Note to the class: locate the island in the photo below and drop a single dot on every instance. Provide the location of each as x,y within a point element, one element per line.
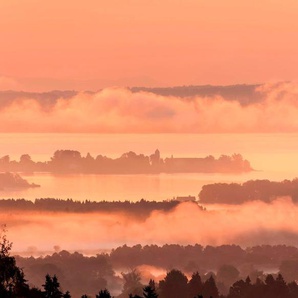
<point>15,181</point>
<point>71,161</point>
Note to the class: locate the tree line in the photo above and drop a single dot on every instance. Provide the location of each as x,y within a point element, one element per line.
<point>236,193</point>
<point>71,161</point>
<point>227,264</point>
<point>177,285</point>
<point>138,208</point>
<point>174,285</point>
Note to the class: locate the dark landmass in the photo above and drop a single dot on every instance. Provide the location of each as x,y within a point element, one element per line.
<point>226,264</point>
<point>14,181</point>
<point>71,161</point>
<point>234,193</point>
<point>140,208</point>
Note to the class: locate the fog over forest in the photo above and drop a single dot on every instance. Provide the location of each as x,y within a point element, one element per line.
<point>227,263</point>
<point>112,224</point>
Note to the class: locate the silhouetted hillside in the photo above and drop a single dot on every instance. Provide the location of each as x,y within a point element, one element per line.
<point>234,193</point>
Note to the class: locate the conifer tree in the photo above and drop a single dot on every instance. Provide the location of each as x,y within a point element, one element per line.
<point>104,294</point>
<point>149,291</point>
<point>52,287</point>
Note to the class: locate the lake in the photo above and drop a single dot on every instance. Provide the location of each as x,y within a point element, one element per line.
<point>274,156</point>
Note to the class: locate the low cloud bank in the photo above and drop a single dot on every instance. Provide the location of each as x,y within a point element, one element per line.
<point>118,110</point>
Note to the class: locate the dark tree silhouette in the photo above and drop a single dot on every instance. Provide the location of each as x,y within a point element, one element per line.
<point>67,295</point>
<point>150,291</point>
<point>12,281</point>
<point>210,288</point>
<point>272,288</point>
<point>104,294</point>
<point>240,289</point>
<point>293,289</point>
<point>195,285</point>
<point>174,285</point>
<point>281,289</point>
<point>52,287</point>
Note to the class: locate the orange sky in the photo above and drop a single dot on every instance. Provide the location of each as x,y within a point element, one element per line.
<point>95,43</point>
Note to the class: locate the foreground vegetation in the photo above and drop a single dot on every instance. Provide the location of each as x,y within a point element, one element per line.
<point>175,284</point>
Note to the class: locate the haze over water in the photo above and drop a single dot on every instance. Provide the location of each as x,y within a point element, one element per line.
<point>273,156</point>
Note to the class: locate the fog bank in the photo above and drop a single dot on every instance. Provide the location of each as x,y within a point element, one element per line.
<point>117,110</point>
<point>250,224</point>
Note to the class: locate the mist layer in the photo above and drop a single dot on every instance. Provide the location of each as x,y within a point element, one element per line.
<point>251,224</point>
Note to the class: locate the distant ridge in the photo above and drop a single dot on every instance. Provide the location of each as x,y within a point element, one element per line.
<point>244,94</point>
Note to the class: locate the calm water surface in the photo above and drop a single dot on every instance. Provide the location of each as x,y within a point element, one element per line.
<point>275,156</point>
